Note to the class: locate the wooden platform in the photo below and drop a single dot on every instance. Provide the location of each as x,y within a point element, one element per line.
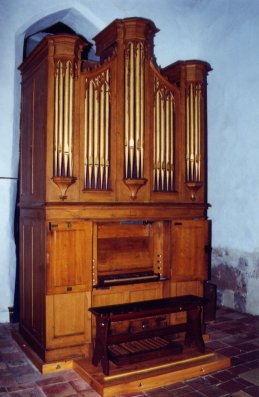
<point>150,374</point>
<point>135,377</point>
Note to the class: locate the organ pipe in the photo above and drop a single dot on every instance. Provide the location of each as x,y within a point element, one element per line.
<point>63,119</point>
<point>164,109</point>
<point>134,111</point>
<point>96,131</point>
<point>193,132</point>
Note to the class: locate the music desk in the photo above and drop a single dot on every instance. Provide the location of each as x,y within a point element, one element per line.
<point>152,339</point>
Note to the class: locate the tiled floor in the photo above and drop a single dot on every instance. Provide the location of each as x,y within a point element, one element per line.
<point>234,334</point>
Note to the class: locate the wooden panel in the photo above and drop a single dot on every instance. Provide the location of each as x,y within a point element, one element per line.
<point>124,248</point>
<point>33,134</point>
<point>110,297</point>
<point>128,293</point>
<point>69,257</point>
<point>71,326</point>
<point>25,269</point>
<point>26,140</point>
<point>32,276</point>
<point>190,249</point>
<point>151,291</point>
<point>161,248</point>
<point>181,288</point>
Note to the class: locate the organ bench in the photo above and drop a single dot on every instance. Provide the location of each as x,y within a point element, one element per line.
<point>127,347</point>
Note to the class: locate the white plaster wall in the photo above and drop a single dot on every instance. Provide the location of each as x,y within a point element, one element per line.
<point>230,45</point>
<point>224,33</point>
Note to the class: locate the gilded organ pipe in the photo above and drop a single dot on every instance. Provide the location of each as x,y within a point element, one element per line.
<point>107,128</point>
<point>66,115</point>
<point>102,141</point>
<point>187,138</point>
<point>56,118</point>
<point>134,111</point>
<point>162,153</point>
<point>157,140</point>
<point>63,119</point>
<point>96,134</point>
<point>171,144</point>
<point>164,110</point>
<point>96,137</point>
<point>142,110</point>
<point>90,136</point>
<point>70,130</point>
<point>167,148</point>
<point>60,110</point>
<point>193,132</point>
<point>137,103</point>
<point>126,153</point>
<point>132,142</point>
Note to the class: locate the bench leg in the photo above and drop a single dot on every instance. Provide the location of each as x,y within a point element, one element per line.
<point>101,348</point>
<point>194,333</point>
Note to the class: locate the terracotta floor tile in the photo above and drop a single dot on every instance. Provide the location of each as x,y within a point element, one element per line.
<point>130,395</point>
<point>216,344</point>
<point>229,351</point>
<point>59,390</point>
<point>251,376</point>
<point>247,346</point>
<point>238,369</point>
<point>253,364</point>
<point>250,356</point>
<point>240,393</point>
<point>50,380</point>
<point>233,340</point>
<point>175,386</point>
<point>224,376</point>
<point>231,386</point>
<point>89,393</point>
<point>21,387</point>
<point>213,391</point>
<point>161,392</point>
<point>33,392</point>
<point>80,385</point>
<point>197,383</point>
<point>252,391</point>
<point>211,380</point>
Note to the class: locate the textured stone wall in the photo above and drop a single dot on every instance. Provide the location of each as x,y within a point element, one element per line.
<point>236,275</point>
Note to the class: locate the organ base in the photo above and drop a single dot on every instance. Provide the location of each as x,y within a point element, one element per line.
<point>162,371</point>
<point>135,377</point>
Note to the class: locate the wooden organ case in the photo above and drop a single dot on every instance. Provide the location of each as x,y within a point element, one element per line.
<point>113,202</point>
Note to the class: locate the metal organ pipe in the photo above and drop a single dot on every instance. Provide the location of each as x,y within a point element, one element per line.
<point>164,109</point>
<point>96,134</point>
<point>63,119</point>
<point>193,132</point>
<point>134,111</point>
<point>70,124</point>
<point>60,109</point>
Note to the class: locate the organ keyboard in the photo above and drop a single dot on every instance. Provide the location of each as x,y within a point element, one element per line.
<point>127,278</point>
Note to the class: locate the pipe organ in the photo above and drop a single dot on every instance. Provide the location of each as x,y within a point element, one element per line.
<point>113,183</point>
